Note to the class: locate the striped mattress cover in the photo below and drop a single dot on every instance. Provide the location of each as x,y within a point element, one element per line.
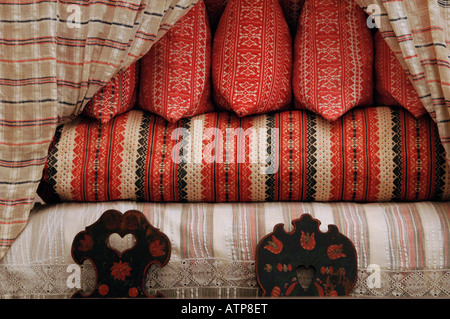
<point>403,248</point>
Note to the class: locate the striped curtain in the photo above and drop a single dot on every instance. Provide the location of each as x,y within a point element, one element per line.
<point>54,56</point>
<point>419,33</point>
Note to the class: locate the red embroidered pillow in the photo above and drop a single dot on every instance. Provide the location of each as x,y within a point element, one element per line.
<point>393,86</point>
<point>252,58</point>
<point>176,72</point>
<point>116,97</point>
<point>333,58</point>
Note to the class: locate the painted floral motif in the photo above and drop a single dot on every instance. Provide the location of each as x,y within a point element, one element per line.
<point>133,292</point>
<point>280,267</point>
<point>335,252</point>
<point>120,270</point>
<point>332,280</point>
<point>307,241</point>
<point>284,267</point>
<point>326,270</point>
<point>276,291</point>
<point>156,248</point>
<point>103,290</point>
<point>274,246</point>
<point>291,287</point>
<point>323,265</point>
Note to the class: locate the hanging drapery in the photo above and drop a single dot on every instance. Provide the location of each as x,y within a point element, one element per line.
<point>54,56</point>
<point>418,32</point>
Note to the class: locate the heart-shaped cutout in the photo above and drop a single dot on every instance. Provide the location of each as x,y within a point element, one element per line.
<point>305,276</point>
<point>121,244</point>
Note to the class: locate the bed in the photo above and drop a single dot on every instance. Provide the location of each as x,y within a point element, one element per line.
<point>402,248</point>
<point>219,173</point>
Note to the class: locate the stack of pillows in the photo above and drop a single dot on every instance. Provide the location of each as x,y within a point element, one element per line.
<point>259,56</point>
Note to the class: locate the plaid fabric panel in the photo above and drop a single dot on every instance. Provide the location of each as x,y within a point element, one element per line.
<point>392,84</point>
<point>371,154</point>
<point>54,57</point>
<point>418,32</point>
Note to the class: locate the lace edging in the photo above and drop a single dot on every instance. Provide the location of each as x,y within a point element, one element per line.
<point>214,277</point>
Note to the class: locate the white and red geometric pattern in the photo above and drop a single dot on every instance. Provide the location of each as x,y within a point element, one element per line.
<point>333,58</point>
<point>291,10</point>
<point>116,97</point>
<point>175,77</point>
<point>252,58</point>
<point>393,87</point>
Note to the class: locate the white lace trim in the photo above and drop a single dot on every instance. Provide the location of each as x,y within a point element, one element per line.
<point>205,278</point>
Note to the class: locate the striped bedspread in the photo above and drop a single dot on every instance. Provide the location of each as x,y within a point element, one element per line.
<point>402,248</point>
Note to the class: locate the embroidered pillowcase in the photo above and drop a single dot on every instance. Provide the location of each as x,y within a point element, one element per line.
<point>393,86</point>
<point>116,97</point>
<point>333,58</point>
<point>291,10</point>
<point>252,58</point>
<point>176,72</point>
